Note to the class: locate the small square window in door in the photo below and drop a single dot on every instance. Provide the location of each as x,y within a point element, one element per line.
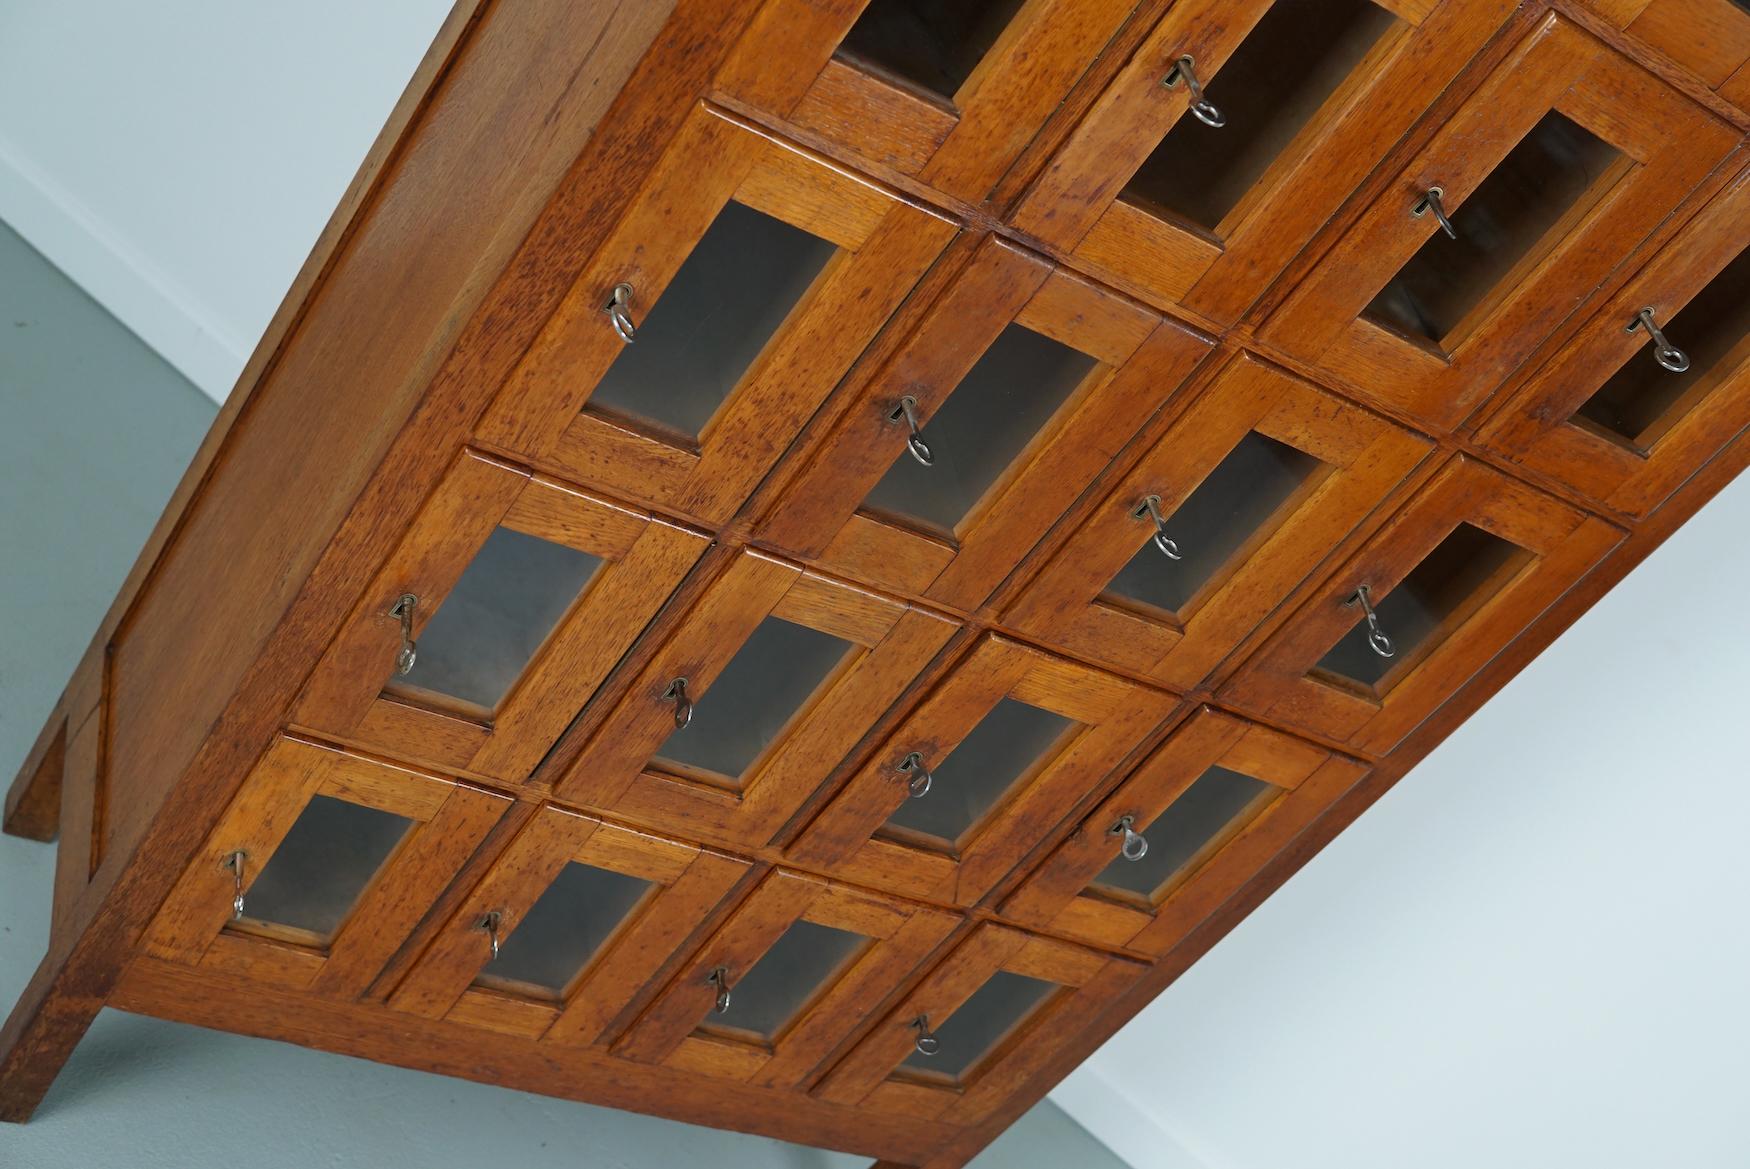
<point>559,935</point>
<point>322,867</point>
<point>931,43</point>
<point>995,1011</point>
<point>782,982</point>
<point>1216,805</point>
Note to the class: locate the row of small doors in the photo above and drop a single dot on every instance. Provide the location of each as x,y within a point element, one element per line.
<point>323,877</point>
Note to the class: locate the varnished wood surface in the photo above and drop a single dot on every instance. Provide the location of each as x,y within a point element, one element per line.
<point>359,463</point>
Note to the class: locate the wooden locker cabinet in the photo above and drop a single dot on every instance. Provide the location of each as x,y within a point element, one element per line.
<point>949,93</point>
<point>1479,555</point>
<point>353,894</point>
<point>1045,990</point>
<point>614,909</point>
<point>592,571</point>
<point>730,518</point>
<point>1571,155</point>
<point>1604,416</point>
<point>1024,380</point>
<point>799,259</point>
<point>808,664</point>
<point>1205,832</point>
<point>1163,203</point>
<point>1255,483</point>
<point>1035,734</point>
<point>796,969</point>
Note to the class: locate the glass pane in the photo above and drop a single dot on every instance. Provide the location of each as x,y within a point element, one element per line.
<point>980,771</point>
<point>1455,576</point>
<point>764,685</point>
<point>1235,501</point>
<point>933,43</point>
<point>324,863</point>
<point>1277,79</point>
<point>731,294</point>
<point>565,927</point>
<point>508,600</point>
<point>1503,223</point>
<point>993,413</point>
<point>1638,396</point>
<point>1218,802</point>
<point>782,982</point>
<point>982,1022</point>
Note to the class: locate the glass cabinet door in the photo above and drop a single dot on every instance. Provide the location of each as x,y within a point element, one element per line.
<point>1471,560</point>
<point>321,868</point>
<point>1201,816</point>
<point>1525,200</point>
<point>1625,416</point>
<point>1201,197</point>
<point>1234,505</point>
<point>992,760</point>
<point>1010,396</point>
<point>948,92</point>
<point>715,319</point>
<point>503,608</point>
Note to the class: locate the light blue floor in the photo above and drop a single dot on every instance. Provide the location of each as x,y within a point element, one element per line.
<point>94,431</point>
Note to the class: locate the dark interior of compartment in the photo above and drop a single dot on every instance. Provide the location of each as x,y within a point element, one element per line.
<point>1455,575</point>
<point>1507,220</point>
<point>1277,79</point>
<point>798,966</point>
<point>770,678</point>
<point>1237,499</point>
<point>994,412</point>
<point>1638,396</point>
<point>324,863</point>
<point>982,1022</point>
<point>565,927</point>
<point>935,44</point>
<point>1218,802</point>
<point>729,297</point>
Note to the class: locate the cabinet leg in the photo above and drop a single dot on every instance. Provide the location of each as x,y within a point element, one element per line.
<point>33,803</point>
<point>44,1027</point>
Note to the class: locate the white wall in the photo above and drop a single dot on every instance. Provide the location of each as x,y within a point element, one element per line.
<point>179,158</point>
<point>1531,952</point>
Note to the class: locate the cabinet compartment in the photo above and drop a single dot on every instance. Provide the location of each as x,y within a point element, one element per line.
<point>1605,415</point>
<point>713,321</point>
<point>1540,185</point>
<point>1309,96</point>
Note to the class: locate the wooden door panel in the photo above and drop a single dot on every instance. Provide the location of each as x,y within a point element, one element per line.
<point>950,93</point>
<point>1567,157</point>
<point>1034,735</point>
<point>1480,556</point>
<point>1182,212</point>
<point>1024,380</point>
<point>1019,998</point>
<point>605,912</point>
<point>340,857</point>
<point>1255,483</point>
<point>807,666</point>
<point>1604,416</point>
<point>1211,806</point>
<point>779,269</point>
<point>796,969</point>
<point>548,587</point>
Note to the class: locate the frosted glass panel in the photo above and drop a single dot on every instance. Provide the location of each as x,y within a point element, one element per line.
<point>726,301</point>
<point>978,773</point>
<point>935,44</point>
<point>1505,220</point>
<point>1277,79</point>
<point>505,605</point>
<point>993,413</point>
<point>770,678</point>
<point>1639,396</point>
<point>1456,574</point>
<point>982,1022</point>
<point>564,928</point>
<point>782,982</point>
<point>324,863</point>
<point>1219,800</point>
<point>1237,498</point>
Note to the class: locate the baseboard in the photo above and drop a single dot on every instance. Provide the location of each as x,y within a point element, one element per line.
<point>151,305</point>
<point>1112,1117</point>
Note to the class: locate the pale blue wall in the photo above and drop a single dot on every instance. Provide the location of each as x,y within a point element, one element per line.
<point>94,430</point>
